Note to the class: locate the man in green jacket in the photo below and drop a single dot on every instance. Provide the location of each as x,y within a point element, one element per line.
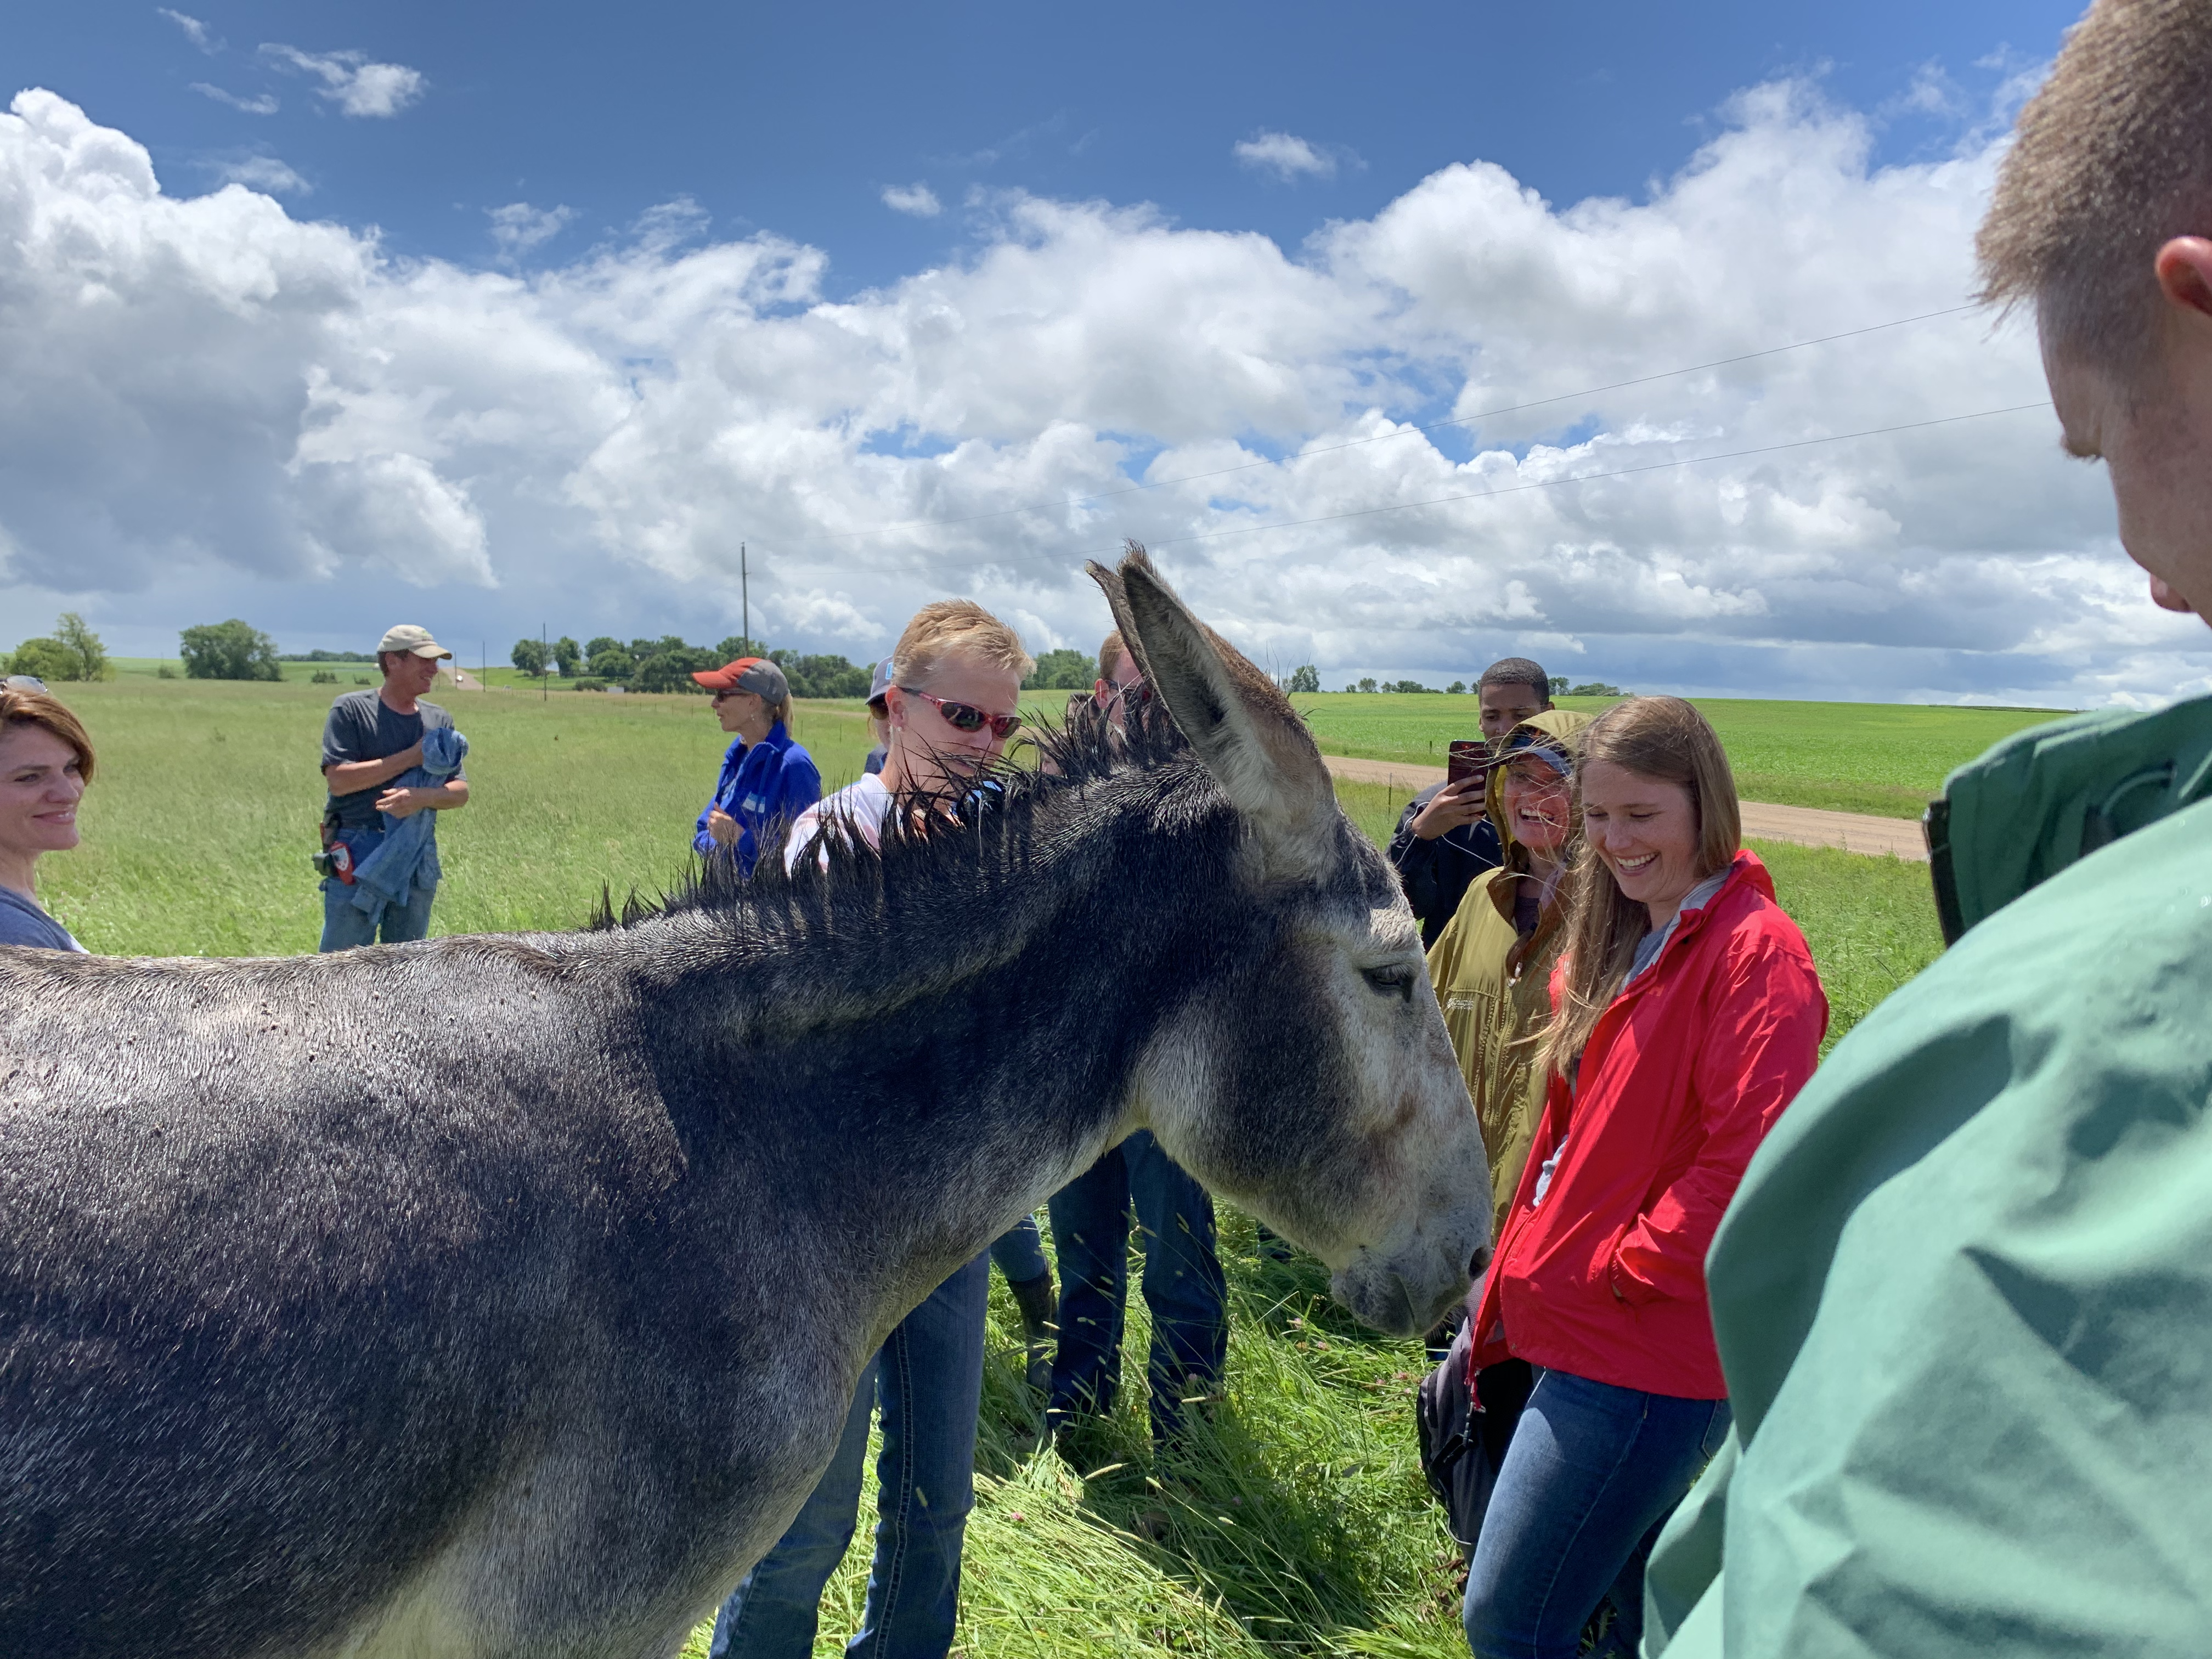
<point>1964,1296</point>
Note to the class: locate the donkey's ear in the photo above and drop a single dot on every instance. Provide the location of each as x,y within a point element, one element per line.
<point>1242,725</point>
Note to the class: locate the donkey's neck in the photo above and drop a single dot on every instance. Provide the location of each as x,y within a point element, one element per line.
<point>912,1071</point>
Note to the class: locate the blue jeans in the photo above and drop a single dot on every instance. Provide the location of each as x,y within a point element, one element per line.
<point>1019,1252</point>
<point>1183,1285</point>
<point>1591,1475</point>
<point>929,1377</point>
<point>344,926</point>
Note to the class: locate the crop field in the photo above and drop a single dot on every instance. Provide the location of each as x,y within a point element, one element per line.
<point>1883,758</point>
<point>1305,1528</point>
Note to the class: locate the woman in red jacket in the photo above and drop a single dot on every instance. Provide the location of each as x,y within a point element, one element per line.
<point>1686,1013</point>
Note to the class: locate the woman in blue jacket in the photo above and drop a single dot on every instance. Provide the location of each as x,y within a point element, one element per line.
<point>767,779</point>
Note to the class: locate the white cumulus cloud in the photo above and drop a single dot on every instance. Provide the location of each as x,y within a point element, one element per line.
<point>1285,156</point>
<point>215,409</point>
<point>918,200</point>
<point>352,82</point>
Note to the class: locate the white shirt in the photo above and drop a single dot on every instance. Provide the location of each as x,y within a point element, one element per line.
<point>860,809</point>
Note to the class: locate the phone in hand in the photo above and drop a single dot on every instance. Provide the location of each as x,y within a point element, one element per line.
<point>1467,758</point>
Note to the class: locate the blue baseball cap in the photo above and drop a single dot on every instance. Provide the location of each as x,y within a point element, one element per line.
<point>882,681</point>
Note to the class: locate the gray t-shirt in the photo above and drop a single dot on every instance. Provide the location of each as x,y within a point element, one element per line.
<point>363,726</point>
<point>23,923</point>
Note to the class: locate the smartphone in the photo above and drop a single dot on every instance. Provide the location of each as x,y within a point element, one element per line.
<point>1467,758</point>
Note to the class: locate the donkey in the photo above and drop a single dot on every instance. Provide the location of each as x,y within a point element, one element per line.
<point>501,1296</point>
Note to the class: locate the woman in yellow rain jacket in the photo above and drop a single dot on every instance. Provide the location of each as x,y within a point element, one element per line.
<point>1492,966</point>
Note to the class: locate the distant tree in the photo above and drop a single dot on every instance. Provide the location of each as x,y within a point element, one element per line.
<point>736,647</point>
<point>529,656</point>
<point>43,658</point>
<point>1594,689</point>
<point>1305,678</point>
<point>1063,670</point>
<point>1409,685</point>
<point>823,675</point>
<point>1367,685</point>
<point>327,656</point>
<point>229,650</point>
<point>1562,686</point>
<point>663,670</point>
<point>322,677</point>
<point>567,657</point>
<point>608,658</point>
<point>91,656</point>
<point>1457,688</point>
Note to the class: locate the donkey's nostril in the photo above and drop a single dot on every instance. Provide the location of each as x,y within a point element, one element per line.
<point>1478,1261</point>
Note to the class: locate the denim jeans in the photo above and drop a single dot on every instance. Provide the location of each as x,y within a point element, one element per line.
<point>928,1378</point>
<point>1019,1252</point>
<point>1592,1474</point>
<point>1183,1285</point>
<point>344,926</point>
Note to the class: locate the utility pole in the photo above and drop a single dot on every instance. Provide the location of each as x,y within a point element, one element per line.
<point>544,686</point>
<point>745,595</point>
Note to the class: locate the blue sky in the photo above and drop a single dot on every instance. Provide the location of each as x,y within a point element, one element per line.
<point>486,317</point>
<point>795,119</point>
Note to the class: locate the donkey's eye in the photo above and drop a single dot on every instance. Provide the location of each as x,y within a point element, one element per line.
<point>1394,979</point>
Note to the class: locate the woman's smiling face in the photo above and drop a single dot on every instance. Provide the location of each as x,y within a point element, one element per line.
<point>1539,804</point>
<point>41,781</point>
<point>1646,830</point>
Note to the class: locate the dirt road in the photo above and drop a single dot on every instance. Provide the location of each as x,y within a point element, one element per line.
<point>1855,832</point>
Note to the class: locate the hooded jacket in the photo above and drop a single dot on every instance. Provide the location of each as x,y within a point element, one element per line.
<point>1603,1276</point>
<point>1494,986</point>
<point>1964,1296</point>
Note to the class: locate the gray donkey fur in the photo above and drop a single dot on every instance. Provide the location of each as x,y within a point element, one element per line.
<point>503,1296</point>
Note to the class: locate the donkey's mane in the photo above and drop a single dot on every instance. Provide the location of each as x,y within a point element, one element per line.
<point>931,837</point>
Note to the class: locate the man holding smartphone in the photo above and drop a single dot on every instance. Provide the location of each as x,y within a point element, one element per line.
<point>1444,838</point>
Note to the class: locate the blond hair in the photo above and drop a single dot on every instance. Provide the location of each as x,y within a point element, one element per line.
<point>2113,158</point>
<point>23,707</point>
<point>1111,651</point>
<point>955,628</point>
<point>1662,738</point>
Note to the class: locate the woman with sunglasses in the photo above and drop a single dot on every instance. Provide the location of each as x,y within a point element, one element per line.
<point>955,675</point>
<point>767,778</point>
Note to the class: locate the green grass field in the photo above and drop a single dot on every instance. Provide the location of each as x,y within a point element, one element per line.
<point>1884,759</point>
<point>1304,1529</point>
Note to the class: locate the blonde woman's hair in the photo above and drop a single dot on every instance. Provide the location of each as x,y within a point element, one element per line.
<point>955,628</point>
<point>1662,738</point>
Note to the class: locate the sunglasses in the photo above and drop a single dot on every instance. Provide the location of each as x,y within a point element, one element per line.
<point>965,717</point>
<point>1135,693</point>
<point>24,683</point>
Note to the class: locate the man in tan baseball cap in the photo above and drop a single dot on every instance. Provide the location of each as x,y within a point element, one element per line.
<point>415,641</point>
<point>379,774</point>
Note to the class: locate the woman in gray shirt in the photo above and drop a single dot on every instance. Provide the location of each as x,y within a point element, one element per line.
<point>45,761</point>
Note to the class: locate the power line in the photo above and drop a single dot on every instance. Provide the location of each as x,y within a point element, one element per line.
<point>1592,478</point>
<point>1066,501</point>
<point>1507,490</point>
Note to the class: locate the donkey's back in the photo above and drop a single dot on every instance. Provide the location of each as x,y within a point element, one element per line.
<point>323,1283</point>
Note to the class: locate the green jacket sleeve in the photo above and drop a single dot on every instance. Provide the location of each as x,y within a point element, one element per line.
<point>1963,1299</point>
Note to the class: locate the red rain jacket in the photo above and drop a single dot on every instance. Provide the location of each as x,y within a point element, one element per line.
<point>1681,1080</point>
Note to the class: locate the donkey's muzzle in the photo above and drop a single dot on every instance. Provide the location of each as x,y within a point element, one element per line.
<point>1478,1261</point>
